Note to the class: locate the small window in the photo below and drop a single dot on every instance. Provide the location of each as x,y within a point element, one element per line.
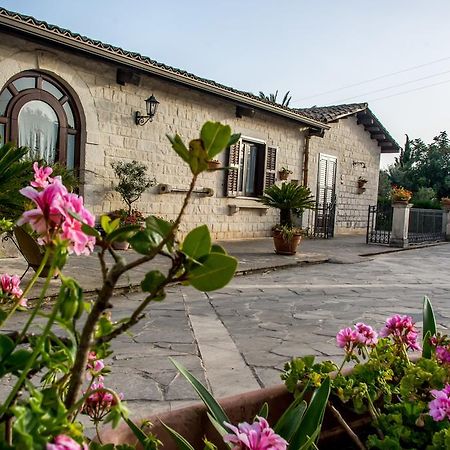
<point>52,89</point>
<point>25,83</point>
<point>251,169</point>
<point>5,97</point>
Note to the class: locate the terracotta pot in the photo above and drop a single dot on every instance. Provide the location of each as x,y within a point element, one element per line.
<point>284,246</point>
<point>214,165</point>
<point>120,245</point>
<point>283,175</point>
<point>193,424</point>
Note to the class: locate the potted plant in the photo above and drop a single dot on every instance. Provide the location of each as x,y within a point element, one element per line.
<point>400,195</point>
<point>445,202</point>
<point>283,173</point>
<point>133,182</point>
<point>290,199</point>
<point>361,182</point>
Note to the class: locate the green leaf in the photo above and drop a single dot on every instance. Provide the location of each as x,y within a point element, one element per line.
<point>90,231</point>
<point>214,408</point>
<point>291,419</point>
<point>179,147</point>
<point>216,248</point>
<point>123,233</point>
<point>181,442</point>
<point>215,272</point>
<point>197,243</point>
<point>140,435</point>
<point>429,327</point>
<point>152,281</point>
<point>215,137</point>
<point>264,411</point>
<point>6,346</point>
<point>312,420</point>
<point>198,158</point>
<point>18,360</point>
<point>219,428</point>
<point>145,241</point>
<point>233,139</point>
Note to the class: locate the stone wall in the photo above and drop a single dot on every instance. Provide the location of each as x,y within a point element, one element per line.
<point>349,143</point>
<point>112,135</point>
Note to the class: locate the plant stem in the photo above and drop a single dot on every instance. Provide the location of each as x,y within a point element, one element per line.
<point>346,426</point>
<point>39,344</point>
<point>30,284</point>
<point>102,303</point>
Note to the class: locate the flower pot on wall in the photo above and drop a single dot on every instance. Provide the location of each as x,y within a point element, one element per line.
<point>283,175</point>
<point>214,164</point>
<point>284,245</point>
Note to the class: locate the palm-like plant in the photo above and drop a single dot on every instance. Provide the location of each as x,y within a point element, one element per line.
<point>290,199</point>
<point>15,173</point>
<point>273,98</point>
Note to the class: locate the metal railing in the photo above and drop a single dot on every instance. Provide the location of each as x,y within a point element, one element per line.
<point>320,221</point>
<point>425,225</point>
<point>379,224</point>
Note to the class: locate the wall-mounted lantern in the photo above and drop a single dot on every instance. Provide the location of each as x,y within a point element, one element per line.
<point>151,105</point>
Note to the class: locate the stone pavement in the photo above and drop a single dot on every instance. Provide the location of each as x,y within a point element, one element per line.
<point>239,337</point>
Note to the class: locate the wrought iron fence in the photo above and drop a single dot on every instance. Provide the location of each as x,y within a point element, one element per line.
<point>379,224</point>
<point>320,221</point>
<point>425,225</point>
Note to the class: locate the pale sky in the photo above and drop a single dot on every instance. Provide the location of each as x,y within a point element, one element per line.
<point>312,48</point>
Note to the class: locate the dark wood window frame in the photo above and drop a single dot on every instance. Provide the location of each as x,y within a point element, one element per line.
<point>20,98</point>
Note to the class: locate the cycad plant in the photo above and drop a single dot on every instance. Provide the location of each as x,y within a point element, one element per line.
<point>15,173</point>
<point>289,198</point>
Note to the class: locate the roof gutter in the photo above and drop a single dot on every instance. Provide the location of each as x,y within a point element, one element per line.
<point>95,50</point>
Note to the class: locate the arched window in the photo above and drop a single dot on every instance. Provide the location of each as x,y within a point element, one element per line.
<point>37,111</point>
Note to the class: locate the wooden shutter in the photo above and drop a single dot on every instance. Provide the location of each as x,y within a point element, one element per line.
<point>232,183</point>
<point>326,179</point>
<point>270,166</point>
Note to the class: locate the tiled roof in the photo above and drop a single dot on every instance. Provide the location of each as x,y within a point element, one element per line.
<point>365,116</point>
<point>331,113</point>
<point>38,28</point>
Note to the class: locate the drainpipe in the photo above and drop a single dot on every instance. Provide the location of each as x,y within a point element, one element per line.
<point>306,158</point>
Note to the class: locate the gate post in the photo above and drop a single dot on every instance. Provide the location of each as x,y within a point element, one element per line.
<point>446,221</point>
<point>400,224</point>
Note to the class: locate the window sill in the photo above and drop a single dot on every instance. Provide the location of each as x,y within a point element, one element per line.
<point>247,204</point>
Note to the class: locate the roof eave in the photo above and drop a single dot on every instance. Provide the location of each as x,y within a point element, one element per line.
<point>42,33</point>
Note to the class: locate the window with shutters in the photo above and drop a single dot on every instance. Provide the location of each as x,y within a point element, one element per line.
<point>326,179</point>
<point>252,168</point>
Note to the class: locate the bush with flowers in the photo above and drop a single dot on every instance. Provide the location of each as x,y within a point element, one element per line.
<point>58,373</point>
<point>407,398</point>
<point>399,193</point>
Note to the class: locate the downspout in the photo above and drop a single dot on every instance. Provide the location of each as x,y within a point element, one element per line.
<point>306,158</point>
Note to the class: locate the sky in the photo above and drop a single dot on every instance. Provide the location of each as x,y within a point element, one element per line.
<point>393,54</point>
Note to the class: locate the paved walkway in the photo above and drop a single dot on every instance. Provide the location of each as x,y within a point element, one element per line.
<point>239,338</point>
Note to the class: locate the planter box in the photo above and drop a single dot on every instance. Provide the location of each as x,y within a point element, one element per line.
<point>193,424</point>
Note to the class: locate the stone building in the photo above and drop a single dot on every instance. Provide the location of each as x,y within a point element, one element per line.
<point>74,100</point>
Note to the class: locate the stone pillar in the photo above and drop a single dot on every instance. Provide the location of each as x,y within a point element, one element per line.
<point>446,221</point>
<point>400,223</point>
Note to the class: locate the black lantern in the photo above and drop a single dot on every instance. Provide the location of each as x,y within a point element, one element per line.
<point>151,105</point>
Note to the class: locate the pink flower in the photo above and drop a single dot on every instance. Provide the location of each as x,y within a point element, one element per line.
<point>347,337</point>
<point>98,404</point>
<point>440,406</point>
<point>10,287</point>
<point>94,366</point>
<point>442,354</point>
<point>366,334</point>
<point>63,442</point>
<point>402,330</point>
<point>52,217</point>
<point>257,436</point>
<point>41,176</point>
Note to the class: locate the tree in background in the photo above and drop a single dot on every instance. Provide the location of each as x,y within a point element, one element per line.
<point>273,98</point>
<point>421,165</point>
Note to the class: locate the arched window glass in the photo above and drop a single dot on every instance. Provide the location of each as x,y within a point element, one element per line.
<point>39,112</point>
<point>38,130</point>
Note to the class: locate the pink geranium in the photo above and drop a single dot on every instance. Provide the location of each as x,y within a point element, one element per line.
<point>347,337</point>
<point>366,334</point>
<point>10,288</point>
<point>443,354</point>
<point>53,216</point>
<point>402,330</point>
<point>440,406</point>
<point>41,176</point>
<point>63,442</point>
<point>255,436</point>
<point>361,335</point>
<point>98,404</point>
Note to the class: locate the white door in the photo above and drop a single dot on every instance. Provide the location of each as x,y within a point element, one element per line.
<point>326,179</point>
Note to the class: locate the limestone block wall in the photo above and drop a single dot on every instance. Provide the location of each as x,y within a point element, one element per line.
<point>357,156</point>
<point>112,135</point>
